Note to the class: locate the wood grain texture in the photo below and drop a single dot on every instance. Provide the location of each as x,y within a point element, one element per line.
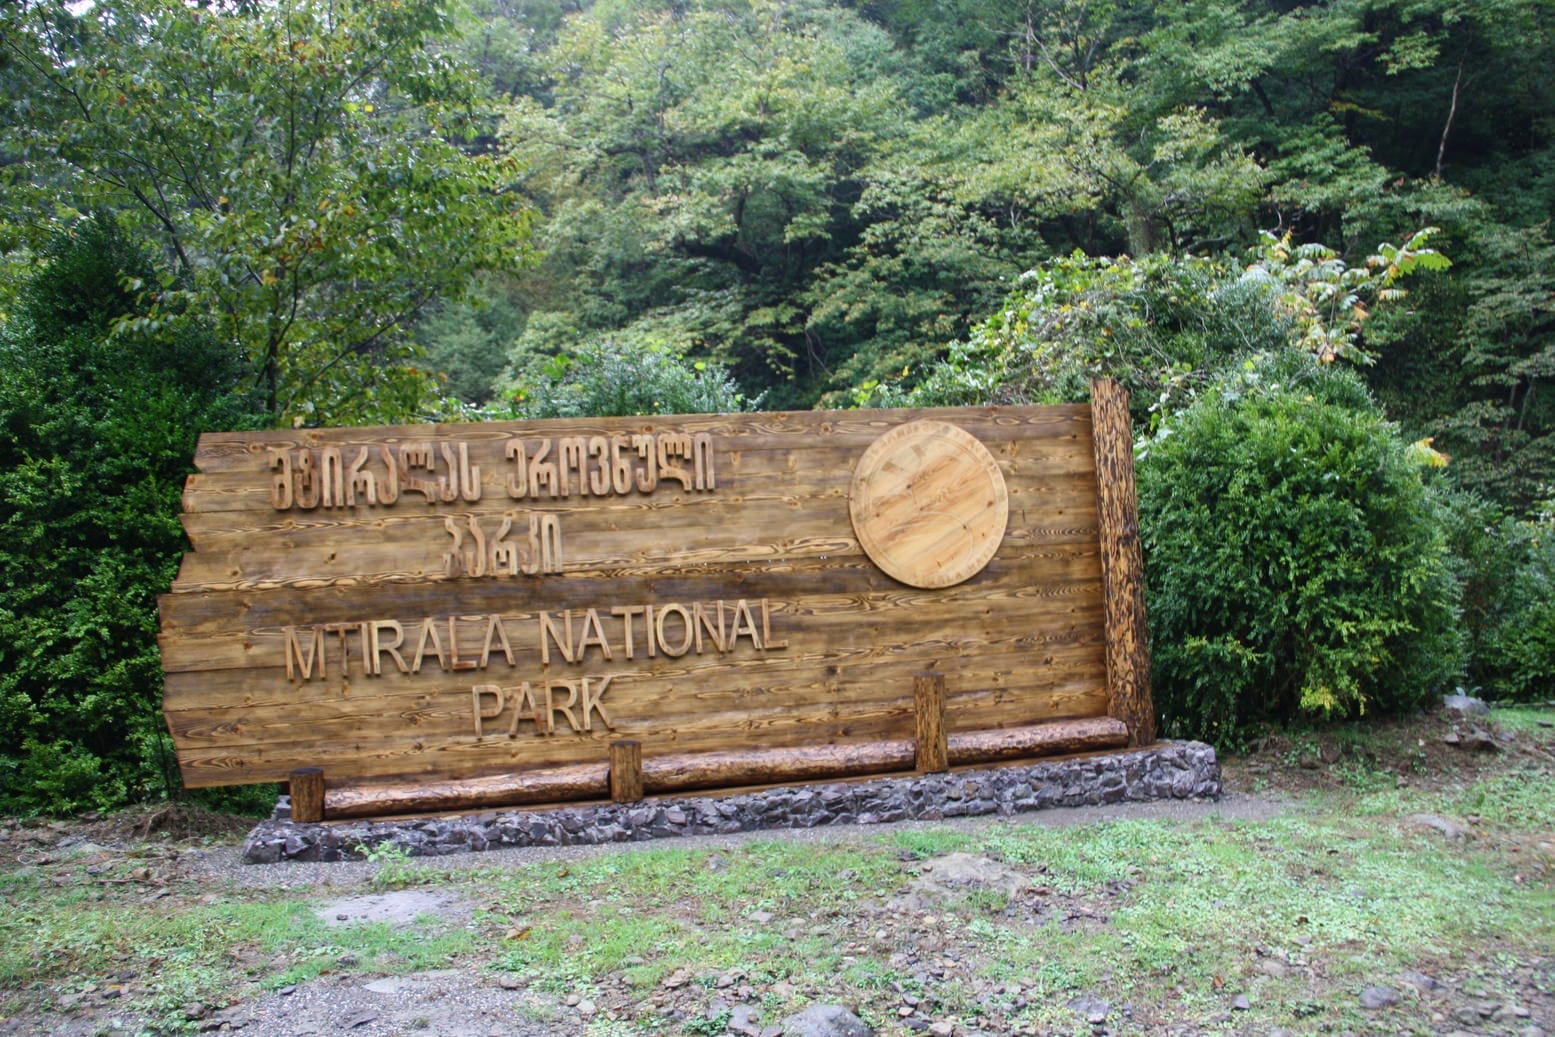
<point>1087,734</point>
<point>928,694</point>
<point>1123,567</point>
<point>626,770</point>
<point>409,647</point>
<point>928,504</point>
<point>305,787</point>
<point>384,799</point>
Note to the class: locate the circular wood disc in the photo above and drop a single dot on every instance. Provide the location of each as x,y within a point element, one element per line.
<point>929,504</point>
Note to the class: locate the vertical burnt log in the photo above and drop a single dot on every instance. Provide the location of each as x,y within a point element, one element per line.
<point>928,694</point>
<point>307,785</point>
<point>1122,564</point>
<point>626,771</point>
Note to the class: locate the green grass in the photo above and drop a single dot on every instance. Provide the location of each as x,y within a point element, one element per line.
<point>1174,919</point>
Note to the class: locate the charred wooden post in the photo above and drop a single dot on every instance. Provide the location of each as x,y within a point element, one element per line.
<point>1122,564</point>
<point>307,789</point>
<point>928,695</point>
<point>626,770</point>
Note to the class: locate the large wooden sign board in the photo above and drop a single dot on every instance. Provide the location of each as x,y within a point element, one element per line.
<point>466,615</point>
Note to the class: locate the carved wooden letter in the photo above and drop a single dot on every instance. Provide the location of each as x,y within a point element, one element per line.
<point>281,485</point>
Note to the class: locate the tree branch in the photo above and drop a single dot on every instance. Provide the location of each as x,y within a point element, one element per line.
<point>1441,148</point>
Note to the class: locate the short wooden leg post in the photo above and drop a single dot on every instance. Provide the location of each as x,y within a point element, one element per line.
<point>626,771</point>
<point>928,693</point>
<point>307,794</point>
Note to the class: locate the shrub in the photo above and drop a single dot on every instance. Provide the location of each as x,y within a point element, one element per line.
<point>1295,559</point>
<point>1158,324</point>
<point>614,379</point>
<point>96,436</point>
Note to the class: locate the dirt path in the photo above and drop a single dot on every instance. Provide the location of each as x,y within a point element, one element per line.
<point>904,933</point>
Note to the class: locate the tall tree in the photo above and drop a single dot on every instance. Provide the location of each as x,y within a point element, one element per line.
<point>695,165</point>
<point>299,163</point>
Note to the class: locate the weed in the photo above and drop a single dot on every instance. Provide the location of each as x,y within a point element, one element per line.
<point>1362,776</point>
<point>711,1025</point>
<point>391,864</point>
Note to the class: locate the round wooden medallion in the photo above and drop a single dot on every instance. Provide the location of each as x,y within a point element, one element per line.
<point>929,504</point>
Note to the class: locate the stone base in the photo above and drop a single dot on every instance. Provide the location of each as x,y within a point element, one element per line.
<point>1166,770</point>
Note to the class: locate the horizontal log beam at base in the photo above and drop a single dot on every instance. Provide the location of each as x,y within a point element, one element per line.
<point>775,766</point>
<point>1059,738</point>
<point>556,785</point>
<point>686,772</point>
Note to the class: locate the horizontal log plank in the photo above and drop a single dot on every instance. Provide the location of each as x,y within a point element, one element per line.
<point>802,586</point>
<point>1084,734</point>
<point>586,781</point>
<point>1041,510</point>
<point>988,681</point>
<point>1072,587</point>
<point>222,451</point>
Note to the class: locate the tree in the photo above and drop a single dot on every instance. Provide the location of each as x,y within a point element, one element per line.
<point>695,165</point>
<point>298,163</point>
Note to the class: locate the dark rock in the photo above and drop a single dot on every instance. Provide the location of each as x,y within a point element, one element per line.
<point>1465,705</point>
<point>1094,1009</point>
<point>1451,829</point>
<point>744,1020</point>
<point>1420,981</point>
<point>825,1021</point>
<point>1480,740</point>
<point>1376,998</point>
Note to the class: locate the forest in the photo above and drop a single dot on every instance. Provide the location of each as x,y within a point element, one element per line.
<point>1312,237</point>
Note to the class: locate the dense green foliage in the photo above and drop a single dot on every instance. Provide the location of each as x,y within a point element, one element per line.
<point>1295,559</point>
<point>1161,326</point>
<point>96,433</point>
<point>1508,571</point>
<point>298,163</point>
<point>612,380</point>
<point>824,195</point>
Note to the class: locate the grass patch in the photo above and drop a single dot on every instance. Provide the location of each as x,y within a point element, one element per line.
<point>1298,914</point>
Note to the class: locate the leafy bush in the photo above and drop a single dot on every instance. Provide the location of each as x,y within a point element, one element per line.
<point>612,379</point>
<point>1160,325</point>
<point>1295,558</point>
<point>96,436</point>
<point>1508,575</point>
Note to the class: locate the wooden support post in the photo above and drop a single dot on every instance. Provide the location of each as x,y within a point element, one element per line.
<point>928,696</point>
<point>1122,564</point>
<point>626,771</point>
<point>307,785</point>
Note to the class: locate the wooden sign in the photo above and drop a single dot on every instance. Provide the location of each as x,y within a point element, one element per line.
<point>432,617</point>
